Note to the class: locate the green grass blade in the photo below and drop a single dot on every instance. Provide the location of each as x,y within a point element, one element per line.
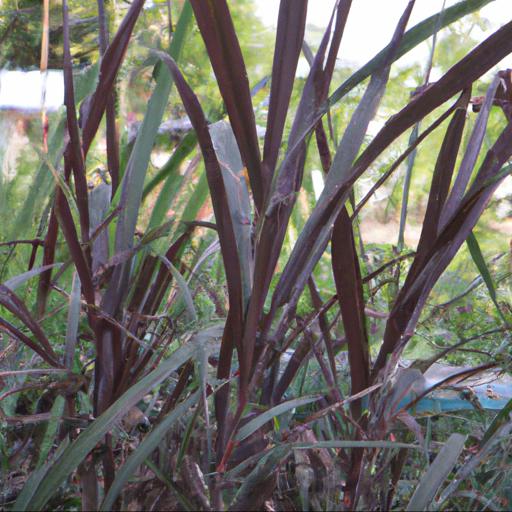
<point>469,466</point>
<point>17,281</point>
<point>135,173</point>
<point>51,429</point>
<point>267,416</point>
<point>87,440</point>
<point>185,290</point>
<point>185,502</point>
<point>479,260</point>
<point>41,186</point>
<point>436,474</point>
<point>172,193</point>
<point>60,182</point>
<point>35,478</point>
<point>170,168</point>
<point>499,420</point>
<point>197,199</point>
<point>187,437</point>
<point>145,449</point>
<point>354,444</point>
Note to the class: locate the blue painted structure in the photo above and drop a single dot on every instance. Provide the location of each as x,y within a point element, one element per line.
<point>492,390</point>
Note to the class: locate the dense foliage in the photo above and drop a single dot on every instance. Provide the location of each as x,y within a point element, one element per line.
<point>226,286</point>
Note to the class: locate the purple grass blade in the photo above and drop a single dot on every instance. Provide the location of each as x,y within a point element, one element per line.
<point>289,37</point>
<point>288,181</point>
<point>110,109</point>
<point>442,178</point>
<point>349,287</point>
<point>110,64</point>
<point>216,27</point>
<point>11,302</point>
<point>73,154</point>
<point>470,156</point>
<point>233,329</point>
<point>413,295</point>
<point>313,239</point>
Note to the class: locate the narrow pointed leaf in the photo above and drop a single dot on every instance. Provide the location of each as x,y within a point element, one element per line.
<point>72,323</point>
<point>414,293</point>
<point>470,156</point>
<point>436,474</point>
<point>260,420</point>
<point>11,301</point>
<point>349,286</point>
<point>340,172</point>
<point>250,495</point>
<point>87,440</point>
<point>216,27</point>
<point>73,155</point>
<point>144,450</point>
<point>109,67</point>
<point>187,296</point>
<point>16,281</point>
<point>130,192</point>
<point>99,205</point>
<point>354,444</point>
<point>47,356</point>
<point>133,180</point>
<point>171,167</point>
<point>273,225</point>
<point>233,328</point>
<point>289,37</point>
<point>32,482</point>
<point>442,177</point>
<point>479,260</point>
<point>233,173</point>
<point>217,189</point>
<point>51,429</point>
<point>499,420</point>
